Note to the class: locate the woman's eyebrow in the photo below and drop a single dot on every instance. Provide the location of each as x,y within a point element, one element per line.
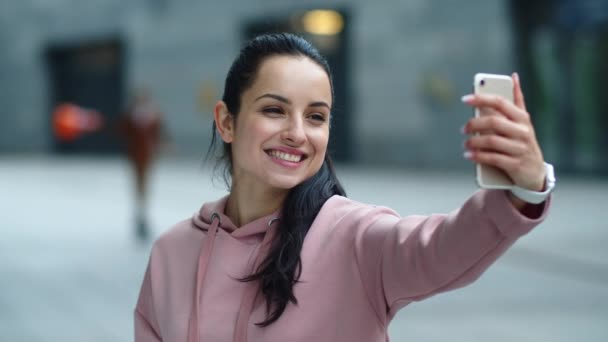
<point>287,101</point>
<point>319,104</point>
<point>274,96</point>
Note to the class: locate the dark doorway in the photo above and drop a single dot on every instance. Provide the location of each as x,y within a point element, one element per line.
<point>89,74</point>
<point>335,48</point>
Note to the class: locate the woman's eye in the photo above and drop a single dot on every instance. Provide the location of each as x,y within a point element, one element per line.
<point>273,110</point>
<point>318,117</point>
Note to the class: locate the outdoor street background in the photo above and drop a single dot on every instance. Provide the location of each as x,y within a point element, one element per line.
<point>70,268</point>
<point>72,71</point>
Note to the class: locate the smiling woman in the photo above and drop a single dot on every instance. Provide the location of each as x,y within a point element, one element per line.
<point>285,256</point>
<point>284,124</point>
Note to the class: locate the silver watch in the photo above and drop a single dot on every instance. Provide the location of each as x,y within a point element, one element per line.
<point>536,197</point>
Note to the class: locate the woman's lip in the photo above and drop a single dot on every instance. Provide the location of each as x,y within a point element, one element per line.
<point>288,150</point>
<point>285,163</point>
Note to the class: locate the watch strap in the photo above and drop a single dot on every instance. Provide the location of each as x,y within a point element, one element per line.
<point>536,197</point>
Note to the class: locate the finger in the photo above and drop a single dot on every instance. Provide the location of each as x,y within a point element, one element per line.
<point>496,143</point>
<point>502,161</point>
<point>499,125</point>
<point>518,95</point>
<point>498,103</point>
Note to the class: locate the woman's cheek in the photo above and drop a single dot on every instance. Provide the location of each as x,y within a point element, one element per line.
<point>321,139</point>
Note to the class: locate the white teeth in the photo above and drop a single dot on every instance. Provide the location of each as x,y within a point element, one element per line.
<point>285,156</point>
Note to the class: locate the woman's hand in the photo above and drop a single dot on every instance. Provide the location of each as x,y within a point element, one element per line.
<point>508,141</point>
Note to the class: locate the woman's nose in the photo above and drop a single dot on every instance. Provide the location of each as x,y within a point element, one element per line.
<point>294,132</point>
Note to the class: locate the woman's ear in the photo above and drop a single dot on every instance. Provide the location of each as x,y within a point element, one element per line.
<point>224,121</point>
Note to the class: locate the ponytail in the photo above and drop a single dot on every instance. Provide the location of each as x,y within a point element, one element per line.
<point>283,266</point>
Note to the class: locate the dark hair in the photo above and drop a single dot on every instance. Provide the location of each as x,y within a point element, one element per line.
<point>282,267</point>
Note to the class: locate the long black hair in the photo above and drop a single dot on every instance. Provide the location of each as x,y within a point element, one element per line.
<point>282,267</point>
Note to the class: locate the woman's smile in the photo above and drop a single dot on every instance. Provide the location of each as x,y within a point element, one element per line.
<point>287,157</point>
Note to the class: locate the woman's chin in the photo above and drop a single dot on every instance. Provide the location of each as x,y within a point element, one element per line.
<point>284,182</point>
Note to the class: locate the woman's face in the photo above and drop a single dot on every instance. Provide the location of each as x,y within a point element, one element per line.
<point>281,132</point>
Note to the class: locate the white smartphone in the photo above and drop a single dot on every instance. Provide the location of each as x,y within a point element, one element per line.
<point>489,177</point>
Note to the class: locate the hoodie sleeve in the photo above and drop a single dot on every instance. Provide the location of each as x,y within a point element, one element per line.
<point>146,325</point>
<point>408,259</point>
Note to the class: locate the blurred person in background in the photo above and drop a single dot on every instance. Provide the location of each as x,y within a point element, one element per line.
<point>141,127</point>
<point>285,256</point>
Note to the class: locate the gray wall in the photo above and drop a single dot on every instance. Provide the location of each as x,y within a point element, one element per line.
<point>411,62</point>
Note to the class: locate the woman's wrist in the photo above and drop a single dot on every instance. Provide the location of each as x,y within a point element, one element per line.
<point>529,210</point>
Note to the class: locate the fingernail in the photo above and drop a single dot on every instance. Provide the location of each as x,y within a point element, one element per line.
<point>463,129</point>
<point>516,76</point>
<point>467,155</point>
<point>467,98</point>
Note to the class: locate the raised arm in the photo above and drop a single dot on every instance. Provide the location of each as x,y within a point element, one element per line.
<point>408,259</point>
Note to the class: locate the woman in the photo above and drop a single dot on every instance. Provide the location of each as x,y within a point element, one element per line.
<point>285,256</point>
<point>142,130</point>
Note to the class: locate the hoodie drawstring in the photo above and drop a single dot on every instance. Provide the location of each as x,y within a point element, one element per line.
<point>203,261</point>
<point>250,295</point>
<point>249,298</point>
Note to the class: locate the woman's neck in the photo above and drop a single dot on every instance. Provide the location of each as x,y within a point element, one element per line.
<point>247,204</point>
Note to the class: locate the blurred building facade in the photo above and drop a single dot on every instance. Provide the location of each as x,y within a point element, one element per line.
<point>406,65</point>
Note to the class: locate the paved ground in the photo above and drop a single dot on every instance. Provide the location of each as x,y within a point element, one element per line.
<point>70,270</point>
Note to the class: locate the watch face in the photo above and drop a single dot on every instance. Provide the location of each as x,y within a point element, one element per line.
<point>550,173</point>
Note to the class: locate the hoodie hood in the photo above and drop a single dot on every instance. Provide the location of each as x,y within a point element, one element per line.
<point>210,219</point>
<point>203,220</point>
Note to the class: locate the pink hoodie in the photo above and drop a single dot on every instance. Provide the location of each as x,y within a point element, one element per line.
<point>360,264</point>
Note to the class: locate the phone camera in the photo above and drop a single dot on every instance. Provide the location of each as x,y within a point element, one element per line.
<point>482,82</point>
